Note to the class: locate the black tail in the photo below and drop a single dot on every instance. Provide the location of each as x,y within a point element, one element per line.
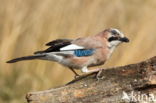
<point>25,58</point>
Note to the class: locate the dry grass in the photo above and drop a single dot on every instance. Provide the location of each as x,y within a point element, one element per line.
<point>26,25</point>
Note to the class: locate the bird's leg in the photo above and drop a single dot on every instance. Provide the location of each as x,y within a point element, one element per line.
<point>76,74</point>
<point>98,76</point>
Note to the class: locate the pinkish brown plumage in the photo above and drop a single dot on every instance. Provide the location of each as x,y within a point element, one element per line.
<point>82,52</point>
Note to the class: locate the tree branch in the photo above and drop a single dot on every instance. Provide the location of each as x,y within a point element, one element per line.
<point>139,78</point>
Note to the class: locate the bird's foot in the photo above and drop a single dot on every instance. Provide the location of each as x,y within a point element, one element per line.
<point>99,76</point>
<point>98,70</point>
<point>76,76</point>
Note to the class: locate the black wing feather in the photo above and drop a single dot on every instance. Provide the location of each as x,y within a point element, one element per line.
<point>55,45</point>
<point>58,42</point>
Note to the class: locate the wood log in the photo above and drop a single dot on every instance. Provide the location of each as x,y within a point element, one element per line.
<point>117,86</point>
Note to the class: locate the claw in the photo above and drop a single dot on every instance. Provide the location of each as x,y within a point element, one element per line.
<point>76,76</point>
<point>99,76</point>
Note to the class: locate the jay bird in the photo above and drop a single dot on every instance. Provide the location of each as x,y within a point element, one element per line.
<point>80,53</point>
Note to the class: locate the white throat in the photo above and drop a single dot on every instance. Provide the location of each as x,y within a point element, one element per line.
<point>112,45</point>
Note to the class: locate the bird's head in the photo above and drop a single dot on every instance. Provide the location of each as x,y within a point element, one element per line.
<point>115,37</point>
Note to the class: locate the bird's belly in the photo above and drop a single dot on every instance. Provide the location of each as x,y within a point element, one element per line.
<point>76,62</point>
<point>70,64</point>
<point>80,62</point>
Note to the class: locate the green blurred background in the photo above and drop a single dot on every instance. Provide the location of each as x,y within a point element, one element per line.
<point>26,25</point>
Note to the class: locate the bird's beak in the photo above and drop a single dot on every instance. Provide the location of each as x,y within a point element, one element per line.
<point>124,39</point>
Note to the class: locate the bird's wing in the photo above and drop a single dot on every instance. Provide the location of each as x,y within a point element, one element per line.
<point>55,45</point>
<point>65,47</point>
<point>76,50</point>
<point>59,42</point>
<point>80,47</point>
<point>71,47</point>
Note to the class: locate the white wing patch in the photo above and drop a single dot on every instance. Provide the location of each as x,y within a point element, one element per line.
<point>71,47</point>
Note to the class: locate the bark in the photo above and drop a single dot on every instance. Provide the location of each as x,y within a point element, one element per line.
<point>130,83</point>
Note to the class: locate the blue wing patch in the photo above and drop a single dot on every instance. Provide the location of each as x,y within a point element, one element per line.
<point>84,52</point>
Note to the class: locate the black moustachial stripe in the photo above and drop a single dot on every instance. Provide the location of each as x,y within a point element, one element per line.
<point>113,38</point>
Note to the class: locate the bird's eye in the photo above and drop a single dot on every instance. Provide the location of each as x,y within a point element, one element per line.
<point>114,32</point>
<point>113,39</point>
